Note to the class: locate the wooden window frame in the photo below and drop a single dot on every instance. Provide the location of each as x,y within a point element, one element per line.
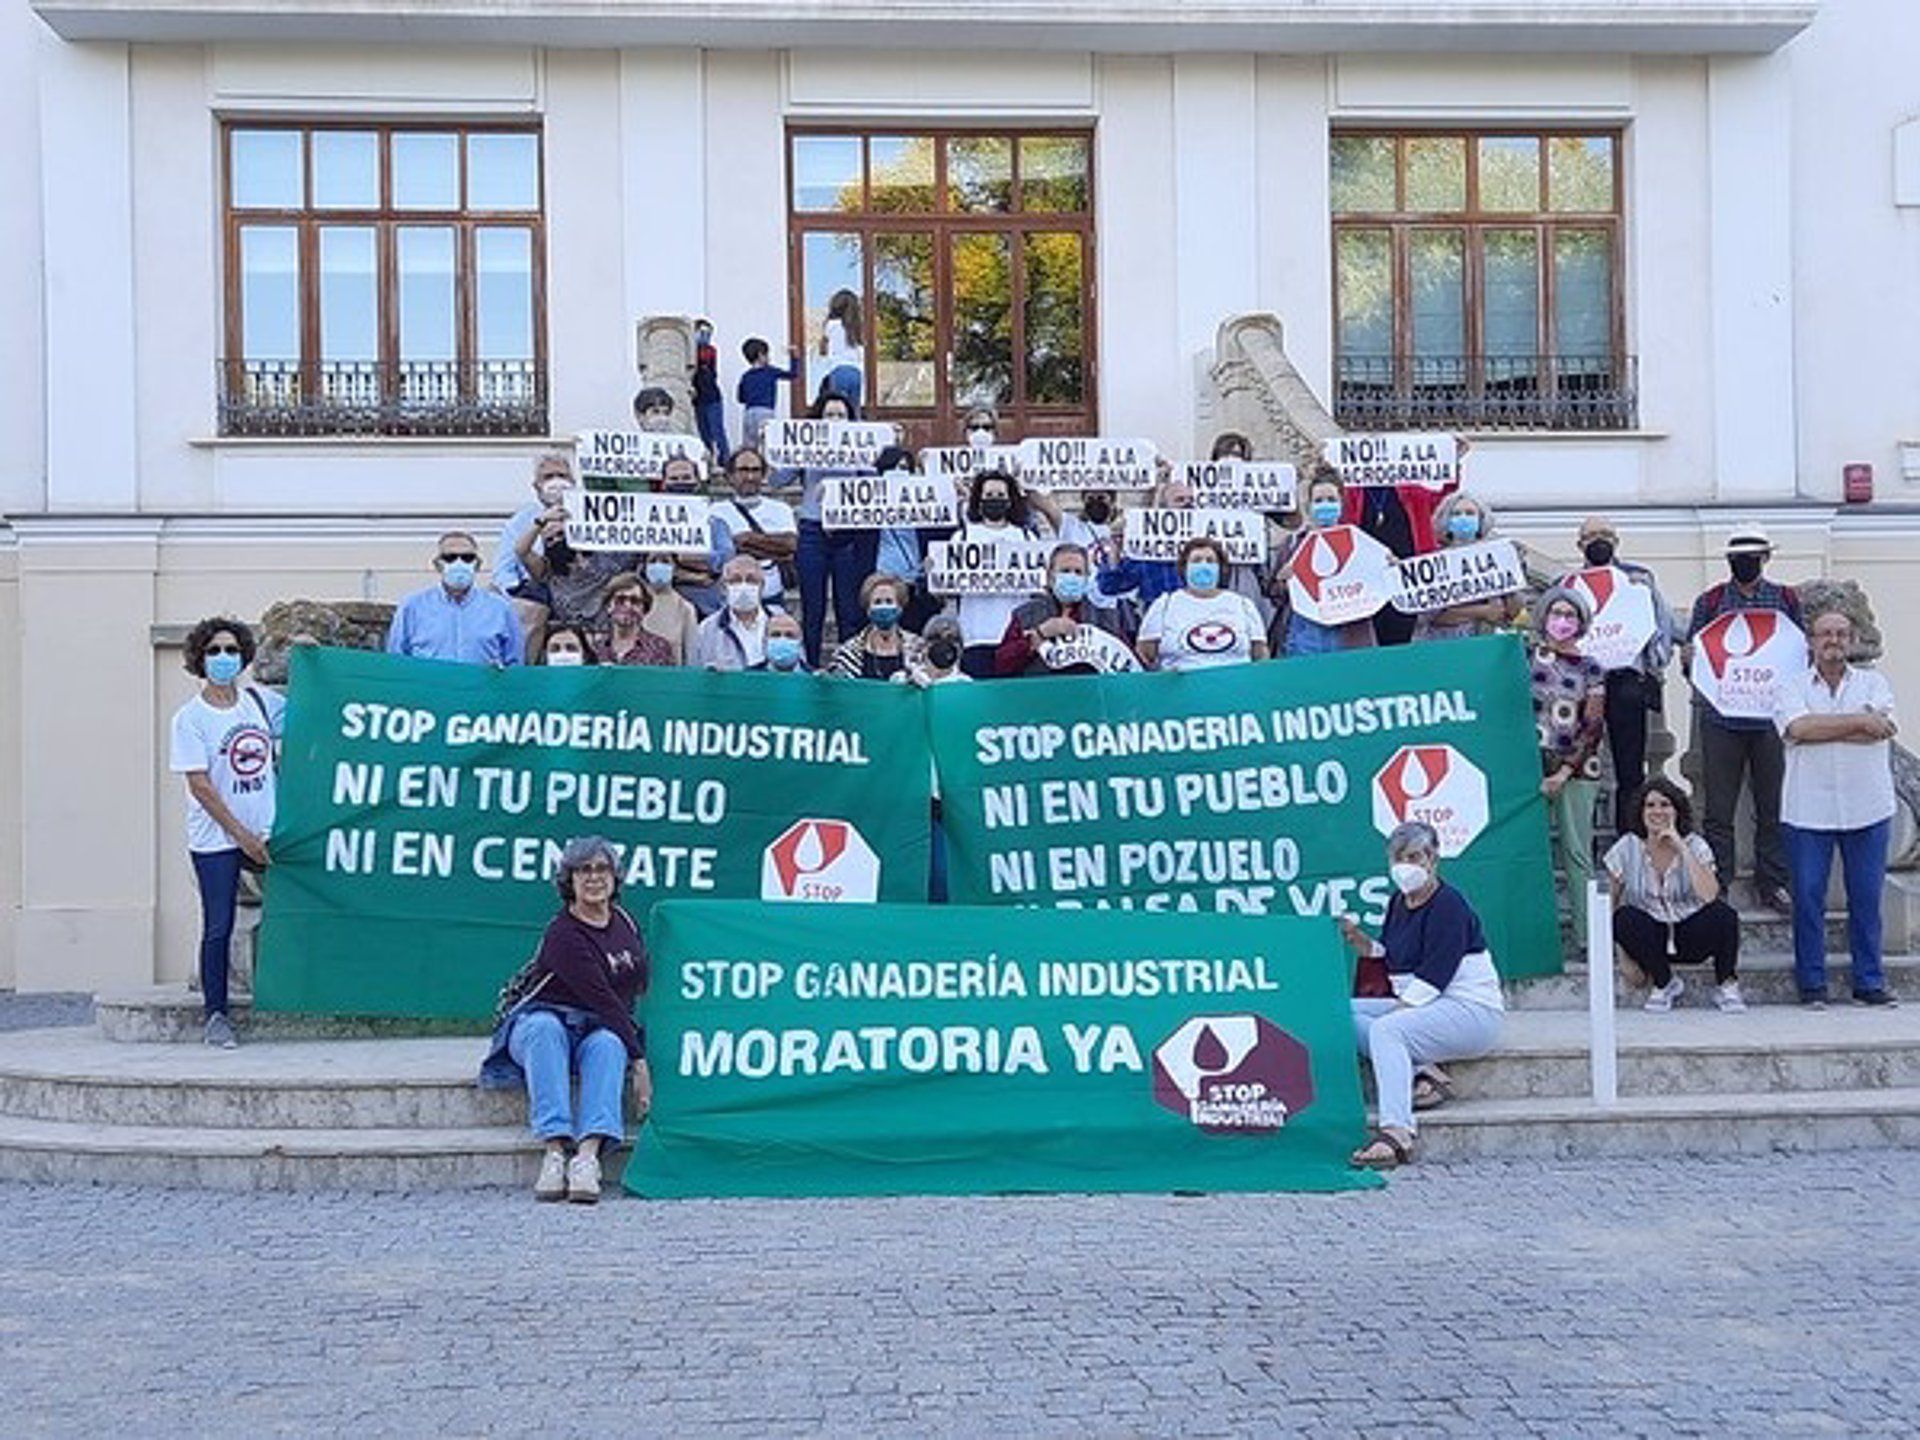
<point>939,422</point>
<point>1401,223</point>
<point>385,219</point>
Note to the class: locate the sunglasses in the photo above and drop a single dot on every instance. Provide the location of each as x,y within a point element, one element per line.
<point>471,557</point>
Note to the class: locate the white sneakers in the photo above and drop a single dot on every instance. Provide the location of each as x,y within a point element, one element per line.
<point>552,1184</point>
<point>1661,1000</point>
<point>1728,997</point>
<point>583,1179</point>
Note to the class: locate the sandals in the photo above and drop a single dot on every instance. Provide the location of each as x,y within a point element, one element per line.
<point>1432,1088</point>
<point>1385,1151</point>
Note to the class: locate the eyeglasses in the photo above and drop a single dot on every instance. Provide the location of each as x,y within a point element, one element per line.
<point>224,650</point>
<point>471,557</point>
<point>596,867</point>
<point>625,599</point>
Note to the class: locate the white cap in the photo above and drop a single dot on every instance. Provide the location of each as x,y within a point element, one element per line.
<point>1747,538</point>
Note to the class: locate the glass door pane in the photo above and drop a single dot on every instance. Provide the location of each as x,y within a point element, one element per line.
<point>1436,276</point>
<point>349,315</point>
<point>346,170</point>
<point>1511,264</point>
<point>900,174</point>
<point>1583,309</point>
<point>1055,322</point>
<point>503,314</point>
<point>429,333</point>
<point>270,293</point>
<point>830,266</point>
<point>1363,302</point>
<point>903,319</point>
<point>980,367</point>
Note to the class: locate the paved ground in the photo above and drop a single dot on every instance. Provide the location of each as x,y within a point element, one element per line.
<point>37,1012</point>
<point>1737,1297</point>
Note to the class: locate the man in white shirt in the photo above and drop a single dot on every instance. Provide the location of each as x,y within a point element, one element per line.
<point>762,526</point>
<point>1837,722</point>
<point>734,637</point>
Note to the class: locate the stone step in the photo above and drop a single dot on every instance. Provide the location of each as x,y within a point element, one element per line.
<point>1701,1052</point>
<point>50,1151</point>
<point>1763,928</point>
<point>171,1014</point>
<point>78,1076</point>
<point>1704,1125</point>
<point>1766,979</point>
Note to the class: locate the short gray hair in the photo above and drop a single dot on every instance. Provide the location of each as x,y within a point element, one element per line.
<point>1554,595</point>
<point>1453,503</point>
<point>1413,835</point>
<point>581,851</point>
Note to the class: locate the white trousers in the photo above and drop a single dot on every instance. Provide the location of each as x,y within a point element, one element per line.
<point>1395,1038</point>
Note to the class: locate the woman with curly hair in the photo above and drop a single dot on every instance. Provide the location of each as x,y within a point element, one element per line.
<point>224,745</point>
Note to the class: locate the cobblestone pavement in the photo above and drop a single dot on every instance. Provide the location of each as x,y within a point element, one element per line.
<point>1733,1297</point>
<point>38,1012</point>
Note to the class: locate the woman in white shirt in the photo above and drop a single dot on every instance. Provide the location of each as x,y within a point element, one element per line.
<point>843,358</point>
<point>1666,898</point>
<point>1201,625</point>
<point>997,509</point>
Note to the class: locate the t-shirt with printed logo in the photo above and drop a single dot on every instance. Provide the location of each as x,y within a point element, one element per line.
<point>1198,633</point>
<point>236,747</point>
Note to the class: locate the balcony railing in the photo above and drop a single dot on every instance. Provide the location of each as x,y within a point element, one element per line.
<point>1491,392</point>
<point>412,397</point>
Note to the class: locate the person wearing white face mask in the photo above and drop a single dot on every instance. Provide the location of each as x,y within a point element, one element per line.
<point>1447,1003</point>
<point>457,619</point>
<point>568,647</point>
<point>735,636</point>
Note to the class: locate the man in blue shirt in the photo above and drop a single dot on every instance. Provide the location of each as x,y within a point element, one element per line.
<point>457,619</point>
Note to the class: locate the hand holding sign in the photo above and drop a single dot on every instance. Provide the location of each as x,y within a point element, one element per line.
<point>1431,461</point>
<point>1623,616</point>
<point>1740,658</point>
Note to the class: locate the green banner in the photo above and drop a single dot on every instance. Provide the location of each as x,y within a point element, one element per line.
<point>423,806</point>
<point>899,1049</point>
<point>1263,789</point>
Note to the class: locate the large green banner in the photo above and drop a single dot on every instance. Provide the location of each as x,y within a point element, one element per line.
<point>898,1049</point>
<point>1262,789</point>
<point>423,806</point>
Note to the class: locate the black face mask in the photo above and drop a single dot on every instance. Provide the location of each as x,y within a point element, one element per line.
<point>1098,510</point>
<point>1598,552</point>
<point>943,654</point>
<point>996,507</point>
<point>1746,568</point>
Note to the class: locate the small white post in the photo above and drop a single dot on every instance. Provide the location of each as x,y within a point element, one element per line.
<point>1602,1054</point>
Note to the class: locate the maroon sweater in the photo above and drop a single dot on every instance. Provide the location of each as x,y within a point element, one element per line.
<point>602,969</point>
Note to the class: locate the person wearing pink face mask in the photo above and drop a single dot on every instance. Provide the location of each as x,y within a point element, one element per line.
<point>1569,714</point>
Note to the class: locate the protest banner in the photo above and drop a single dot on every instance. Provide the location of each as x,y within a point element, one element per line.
<point>1088,647</point>
<point>1740,658</point>
<point>1064,462</point>
<point>618,458</point>
<point>1457,575</point>
<point>631,520</point>
<point>1429,461</point>
<point>1015,565</point>
<point>899,497</point>
<point>1268,485</point>
<point>1340,574</point>
<point>1262,789</point>
<point>885,1050</point>
<point>960,463</point>
<point>826,444</point>
<point>423,806</point>
<point>1623,616</point>
<point>1155,533</point>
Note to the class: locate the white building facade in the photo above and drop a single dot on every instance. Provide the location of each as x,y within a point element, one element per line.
<point>295,286</point>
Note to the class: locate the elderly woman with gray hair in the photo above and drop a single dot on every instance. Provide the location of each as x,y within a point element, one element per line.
<point>568,1014</point>
<point>1570,718</point>
<point>1447,1003</point>
<point>1462,520</point>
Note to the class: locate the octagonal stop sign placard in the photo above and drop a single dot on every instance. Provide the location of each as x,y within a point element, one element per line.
<point>1435,784</point>
<point>820,860</point>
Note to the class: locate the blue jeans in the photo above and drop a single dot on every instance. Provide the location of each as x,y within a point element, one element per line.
<point>551,1055</point>
<point>847,380</point>
<point>843,558</point>
<point>219,877</point>
<point>1310,637</point>
<point>1863,864</point>
<point>712,420</point>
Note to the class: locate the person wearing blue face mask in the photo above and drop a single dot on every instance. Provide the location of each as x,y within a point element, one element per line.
<point>883,647</point>
<point>1201,626</point>
<point>1325,502</point>
<point>1041,635</point>
<point>457,619</point>
<point>224,744</point>
<point>786,652</point>
<point>1465,520</point>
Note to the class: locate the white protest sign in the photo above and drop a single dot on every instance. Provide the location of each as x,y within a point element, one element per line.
<point>1157,534</point>
<point>825,444</point>
<point>1060,462</point>
<point>1431,461</point>
<point>1340,574</point>
<point>963,462</point>
<point>628,520</point>
<point>1270,485</point>
<point>1088,646</point>
<point>1457,575</point>
<point>1015,565</point>
<point>1740,658</point>
<point>633,454</point>
<point>875,502</point>
<point>1623,616</point>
